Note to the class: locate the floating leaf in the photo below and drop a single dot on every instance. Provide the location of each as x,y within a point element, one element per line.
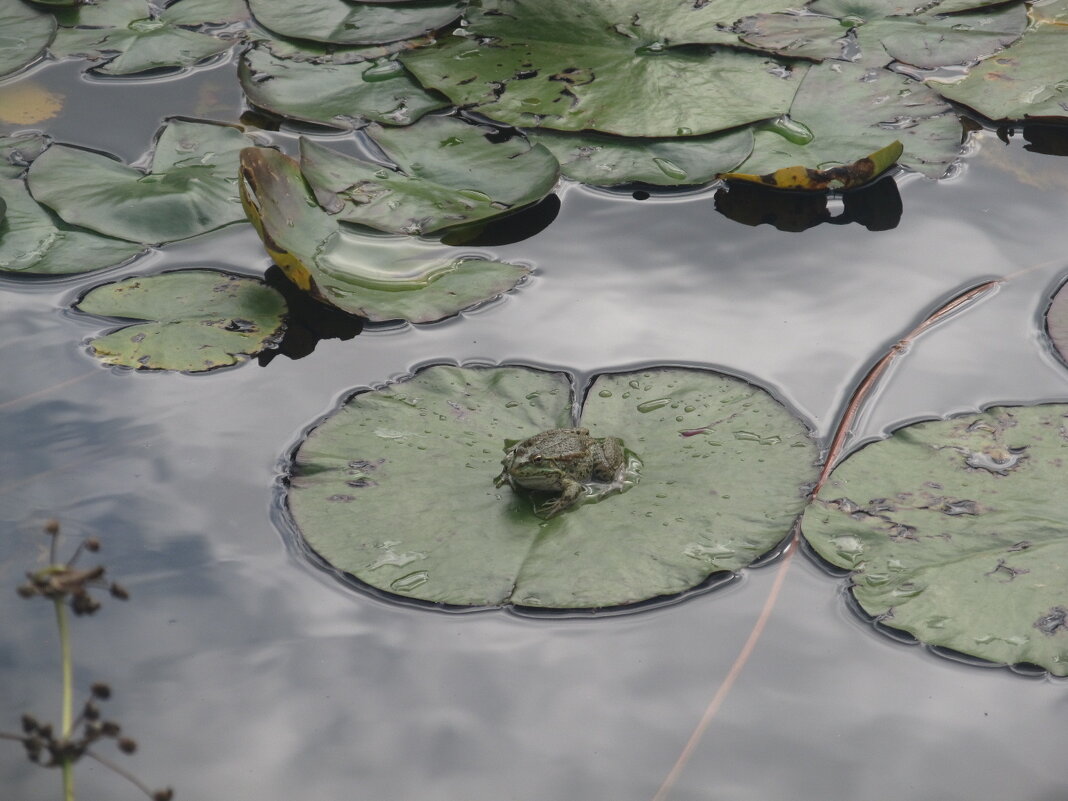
<point>131,36</point>
<point>844,112</point>
<point>1057,322</point>
<point>345,22</point>
<point>377,277</point>
<point>847,176</point>
<point>33,241</point>
<point>190,189</point>
<point>196,320</point>
<point>601,160</point>
<point>24,35</point>
<point>448,173</point>
<point>956,532</point>
<point>18,150</point>
<point>1028,80</point>
<point>342,95</point>
<point>721,480</point>
<point>586,64</point>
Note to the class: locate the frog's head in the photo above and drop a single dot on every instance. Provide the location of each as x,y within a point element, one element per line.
<point>525,466</point>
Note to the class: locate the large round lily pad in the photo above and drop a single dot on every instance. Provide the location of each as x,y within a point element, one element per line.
<point>397,487</point>
<point>447,173</point>
<point>190,189</point>
<point>377,277</point>
<point>617,67</point>
<point>333,92</point>
<point>195,320</point>
<point>957,532</point>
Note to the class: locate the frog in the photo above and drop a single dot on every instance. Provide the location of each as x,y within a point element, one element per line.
<point>560,460</point>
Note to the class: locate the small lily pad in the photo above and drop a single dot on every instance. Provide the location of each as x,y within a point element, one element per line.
<point>1028,80</point>
<point>344,22</point>
<point>721,475</point>
<point>18,150</point>
<point>376,277</point>
<point>24,34</point>
<point>601,160</point>
<point>196,320</point>
<point>447,173</point>
<point>846,176</point>
<point>956,531</point>
<point>34,241</point>
<point>327,91</point>
<point>190,189</point>
<point>845,112</point>
<point>126,37</point>
<point>589,65</point>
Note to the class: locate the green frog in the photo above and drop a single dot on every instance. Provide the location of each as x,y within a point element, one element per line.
<point>560,460</point>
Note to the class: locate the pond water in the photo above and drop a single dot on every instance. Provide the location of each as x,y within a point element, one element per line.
<point>245,672</point>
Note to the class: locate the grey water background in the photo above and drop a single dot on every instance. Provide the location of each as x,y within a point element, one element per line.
<point>244,672</point>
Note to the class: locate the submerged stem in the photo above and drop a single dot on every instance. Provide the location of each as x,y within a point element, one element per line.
<point>67,711</point>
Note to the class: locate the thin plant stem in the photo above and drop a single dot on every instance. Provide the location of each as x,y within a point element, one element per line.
<point>67,711</point>
<point>107,763</point>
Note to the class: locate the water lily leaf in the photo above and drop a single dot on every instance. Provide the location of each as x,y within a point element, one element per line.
<point>376,277</point>
<point>448,173</point>
<point>704,442</point>
<point>605,68</point>
<point>1057,322</point>
<point>844,112</point>
<point>956,532</point>
<point>34,241</point>
<point>1028,80</point>
<point>847,176</point>
<point>24,35</point>
<point>342,95</point>
<point>18,150</point>
<point>196,320</point>
<point>344,22</point>
<point>190,189</point>
<point>886,31</point>
<point>131,36</point>
<point>601,160</point>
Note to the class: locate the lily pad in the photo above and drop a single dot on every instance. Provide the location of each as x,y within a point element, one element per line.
<point>18,150</point>
<point>190,189</point>
<point>883,32</point>
<point>448,173</point>
<point>846,176</point>
<point>195,320</point>
<point>588,64</point>
<point>601,160</point>
<point>845,112</point>
<point>957,532</point>
<point>722,477</point>
<point>339,94</point>
<point>376,277</point>
<point>1057,322</point>
<point>34,241</point>
<point>131,36</point>
<point>1028,80</point>
<point>24,35</point>
<point>345,22</point>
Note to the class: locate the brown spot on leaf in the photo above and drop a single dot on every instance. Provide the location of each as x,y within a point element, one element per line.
<point>1053,621</point>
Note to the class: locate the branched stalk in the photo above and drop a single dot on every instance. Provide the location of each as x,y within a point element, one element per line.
<point>67,711</point>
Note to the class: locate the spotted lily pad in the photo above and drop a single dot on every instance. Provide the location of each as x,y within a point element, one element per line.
<point>195,320</point>
<point>376,277</point>
<point>601,160</point>
<point>190,189</point>
<point>397,487</point>
<point>24,35</point>
<point>447,173</point>
<point>589,64</point>
<point>957,532</point>
<point>845,112</point>
<point>332,90</point>
<point>1027,80</point>
<point>131,36</point>
<point>347,22</point>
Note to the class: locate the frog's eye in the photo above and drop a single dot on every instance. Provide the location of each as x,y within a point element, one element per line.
<point>536,458</point>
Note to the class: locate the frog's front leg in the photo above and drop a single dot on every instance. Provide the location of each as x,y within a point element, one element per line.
<point>569,496</point>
